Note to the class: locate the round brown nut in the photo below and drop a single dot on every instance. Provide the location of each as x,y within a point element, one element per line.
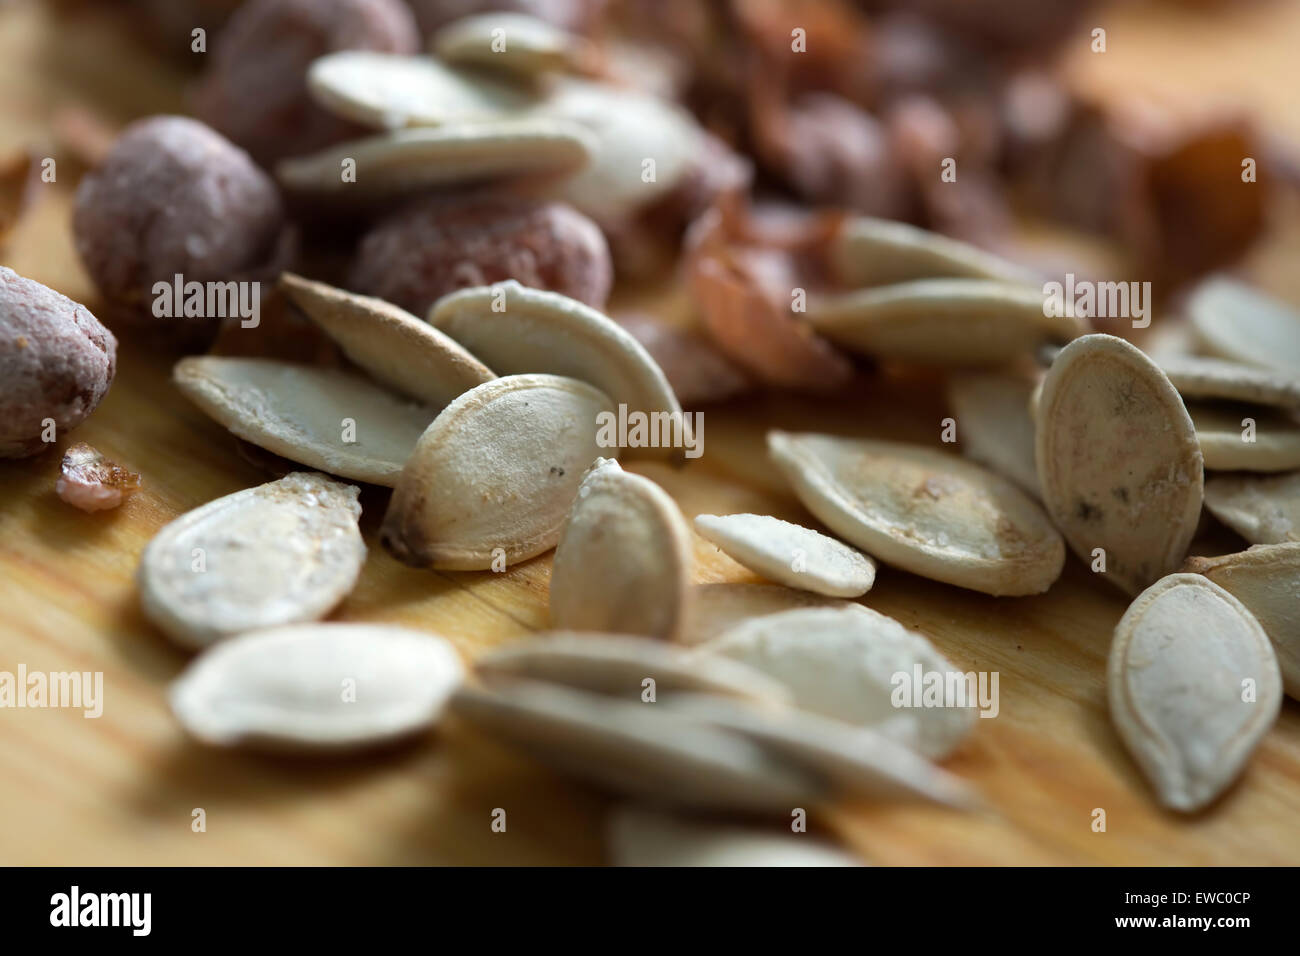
<point>56,363</point>
<point>439,245</point>
<point>173,197</point>
<point>255,89</point>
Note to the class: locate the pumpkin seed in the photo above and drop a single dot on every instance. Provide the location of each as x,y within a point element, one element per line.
<point>941,321</point>
<point>407,161</point>
<point>1246,437</point>
<point>493,476</point>
<point>716,608</point>
<point>994,424</point>
<point>638,836</point>
<point>1266,579</point>
<point>389,91</point>
<point>516,329</point>
<point>791,554</point>
<point>617,664</point>
<point>1234,321</point>
<point>873,252</point>
<point>1261,510</point>
<point>856,761</point>
<point>514,43</point>
<point>1207,378</point>
<point>280,553</point>
<point>1118,460</point>
<point>645,750</point>
<point>321,417</point>
<point>624,558</point>
<point>392,345</point>
<point>925,511</point>
<point>317,687</point>
<point>1180,664</point>
<point>845,664</point>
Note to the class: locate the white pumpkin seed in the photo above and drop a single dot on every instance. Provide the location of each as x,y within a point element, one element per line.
<point>856,761</point>
<point>617,664</point>
<point>846,665</point>
<point>516,329</point>
<point>281,553</point>
<point>873,252</point>
<point>324,418</point>
<point>623,563</point>
<point>925,511</point>
<point>1118,460</point>
<point>317,687</point>
<point>716,608</point>
<point>389,91</point>
<point>407,161</point>
<point>1246,437</point>
<point>1217,379</point>
<point>1193,685</point>
<point>1266,579</point>
<point>492,477</point>
<point>513,43</point>
<point>396,348</point>
<point>638,836</point>
<point>959,322</point>
<point>645,750</point>
<point>1261,510</point>
<point>790,553</point>
<point>1235,321</point>
<point>994,424</point>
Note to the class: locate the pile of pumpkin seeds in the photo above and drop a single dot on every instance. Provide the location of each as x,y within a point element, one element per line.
<point>483,419</point>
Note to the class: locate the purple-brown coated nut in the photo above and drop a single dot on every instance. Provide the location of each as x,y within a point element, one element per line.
<point>173,197</point>
<point>56,362</point>
<point>255,89</point>
<point>445,243</point>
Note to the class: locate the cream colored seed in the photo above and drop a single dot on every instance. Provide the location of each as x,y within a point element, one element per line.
<point>1263,510</point>
<point>791,554</point>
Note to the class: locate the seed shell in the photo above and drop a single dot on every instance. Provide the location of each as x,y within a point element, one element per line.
<point>716,608</point>
<point>790,554</point>
<point>874,252</point>
<point>492,478</point>
<point>1261,510</point>
<point>317,687</point>
<point>281,553</point>
<point>994,424</point>
<point>1179,663</point>
<point>1234,321</point>
<point>623,563</point>
<point>1228,445</point>
<point>1196,377</point>
<point>1118,460</point>
<point>925,511</point>
<point>513,43</point>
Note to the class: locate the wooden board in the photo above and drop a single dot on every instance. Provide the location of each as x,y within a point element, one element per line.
<point>122,788</point>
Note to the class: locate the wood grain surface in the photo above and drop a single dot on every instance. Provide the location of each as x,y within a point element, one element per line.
<point>122,788</point>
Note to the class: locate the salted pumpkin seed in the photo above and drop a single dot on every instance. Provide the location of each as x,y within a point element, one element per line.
<point>1118,460</point>
<point>1266,579</point>
<point>321,417</point>
<point>957,322</point>
<point>408,161</point>
<point>716,608</point>
<point>1235,321</point>
<point>1193,685</point>
<point>639,836</point>
<point>619,665</point>
<point>389,91</point>
<point>396,348</point>
<point>1246,437</point>
<point>872,252</point>
<point>925,511</point>
<point>623,562</point>
<point>856,761</point>
<point>994,424</point>
<point>1196,377</point>
<point>317,687</point>
<point>847,665</point>
<point>492,478</point>
<point>516,329</point>
<point>281,553</point>
<point>645,750</point>
<point>513,43</point>
<point>1261,510</point>
<point>791,554</point>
